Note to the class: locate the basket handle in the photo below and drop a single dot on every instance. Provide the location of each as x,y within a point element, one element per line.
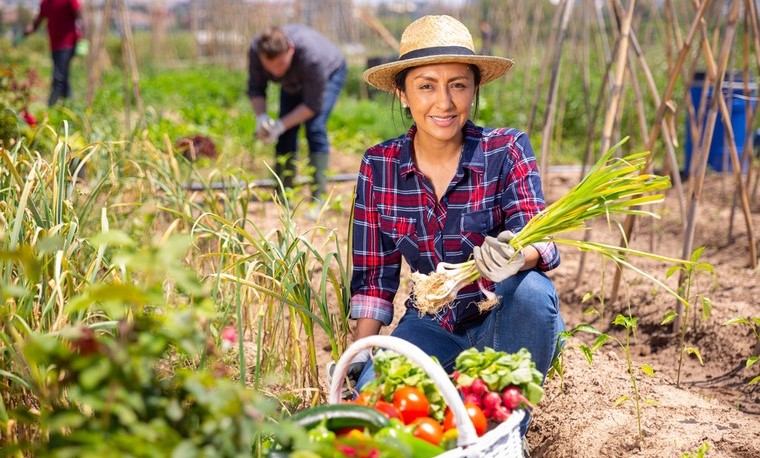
<point>465,428</point>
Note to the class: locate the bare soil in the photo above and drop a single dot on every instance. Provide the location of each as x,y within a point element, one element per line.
<point>712,403</point>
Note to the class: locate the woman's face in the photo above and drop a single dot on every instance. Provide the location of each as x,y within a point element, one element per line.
<point>439,97</point>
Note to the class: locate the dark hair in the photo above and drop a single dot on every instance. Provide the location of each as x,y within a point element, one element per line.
<point>399,81</point>
<point>272,43</point>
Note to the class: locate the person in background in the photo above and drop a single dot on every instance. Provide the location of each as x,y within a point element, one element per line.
<point>65,26</point>
<point>446,191</point>
<point>312,72</point>
<point>486,37</point>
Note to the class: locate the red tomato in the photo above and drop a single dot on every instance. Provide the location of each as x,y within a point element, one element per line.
<point>388,409</point>
<point>477,417</point>
<point>448,421</point>
<point>411,402</point>
<point>427,429</point>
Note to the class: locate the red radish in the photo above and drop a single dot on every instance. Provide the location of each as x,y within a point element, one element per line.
<point>479,387</point>
<point>500,414</point>
<point>491,400</point>
<point>465,390</point>
<point>512,397</point>
<point>473,399</point>
<point>455,375</point>
<point>488,413</point>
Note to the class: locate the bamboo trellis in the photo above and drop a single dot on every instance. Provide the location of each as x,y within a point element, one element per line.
<point>714,26</point>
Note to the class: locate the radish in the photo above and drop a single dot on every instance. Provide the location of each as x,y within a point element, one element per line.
<point>491,400</point>
<point>500,414</point>
<point>474,399</point>
<point>512,397</point>
<point>479,387</point>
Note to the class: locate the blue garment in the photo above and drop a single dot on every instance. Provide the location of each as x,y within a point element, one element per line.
<point>61,64</point>
<point>316,127</point>
<point>527,316</point>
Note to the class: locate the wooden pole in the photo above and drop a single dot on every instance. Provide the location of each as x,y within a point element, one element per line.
<point>670,157</point>
<point>552,45</point>
<point>746,160</point>
<point>95,57</point>
<point>755,26</point>
<point>128,50</point>
<point>654,133</point>
<point>718,103</point>
<point>617,88</point>
<point>546,133</point>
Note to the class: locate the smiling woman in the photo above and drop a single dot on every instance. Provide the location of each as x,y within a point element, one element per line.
<point>434,194</point>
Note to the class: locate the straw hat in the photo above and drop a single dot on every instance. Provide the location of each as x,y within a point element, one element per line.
<point>436,40</point>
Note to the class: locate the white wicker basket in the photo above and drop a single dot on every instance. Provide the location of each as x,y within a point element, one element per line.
<point>504,441</point>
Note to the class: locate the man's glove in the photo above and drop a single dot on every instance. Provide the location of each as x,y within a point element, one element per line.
<point>263,124</point>
<point>275,130</point>
<point>355,369</point>
<point>496,260</point>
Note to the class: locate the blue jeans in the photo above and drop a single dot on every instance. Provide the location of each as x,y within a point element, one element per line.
<point>527,316</point>
<point>61,63</point>
<point>316,127</point>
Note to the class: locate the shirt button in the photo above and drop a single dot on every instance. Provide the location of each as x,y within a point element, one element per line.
<point>483,226</point>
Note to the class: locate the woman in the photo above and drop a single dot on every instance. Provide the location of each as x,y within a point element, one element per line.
<point>445,191</point>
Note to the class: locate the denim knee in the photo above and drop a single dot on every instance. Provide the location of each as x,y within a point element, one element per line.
<point>528,316</point>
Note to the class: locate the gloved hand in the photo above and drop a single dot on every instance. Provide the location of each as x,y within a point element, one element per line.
<point>355,369</point>
<point>496,260</point>
<point>275,130</point>
<point>263,124</point>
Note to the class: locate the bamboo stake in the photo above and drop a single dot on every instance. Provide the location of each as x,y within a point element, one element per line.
<point>717,104</point>
<point>544,65</point>
<point>128,49</point>
<point>620,64</point>
<point>617,88</point>
<point>552,101</point>
<point>756,39</point>
<point>670,157</point>
<point>720,101</point>
<point>654,133</point>
<point>96,53</point>
<point>746,160</point>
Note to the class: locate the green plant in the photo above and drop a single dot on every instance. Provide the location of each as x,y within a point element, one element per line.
<point>690,271</point>
<point>285,267</point>
<point>754,324</point>
<point>629,324</point>
<point>700,452</point>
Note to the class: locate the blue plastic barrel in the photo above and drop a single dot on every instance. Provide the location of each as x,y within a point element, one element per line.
<point>733,91</point>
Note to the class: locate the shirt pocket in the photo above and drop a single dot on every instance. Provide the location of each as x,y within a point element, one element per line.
<point>478,224</point>
<point>403,232</point>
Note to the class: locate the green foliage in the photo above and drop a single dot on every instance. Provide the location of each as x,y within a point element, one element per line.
<point>754,325</point>
<point>700,452</point>
<point>104,393</point>
<point>629,324</point>
<point>689,280</point>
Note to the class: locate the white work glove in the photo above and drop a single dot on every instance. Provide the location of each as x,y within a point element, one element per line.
<point>355,369</point>
<point>263,124</point>
<point>275,130</point>
<point>496,260</point>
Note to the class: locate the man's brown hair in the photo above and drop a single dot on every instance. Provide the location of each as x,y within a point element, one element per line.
<point>272,43</point>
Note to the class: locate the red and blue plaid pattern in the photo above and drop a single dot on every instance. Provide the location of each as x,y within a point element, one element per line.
<point>397,215</point>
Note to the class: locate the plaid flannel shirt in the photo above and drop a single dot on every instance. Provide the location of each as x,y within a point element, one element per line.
<point>397,215</point>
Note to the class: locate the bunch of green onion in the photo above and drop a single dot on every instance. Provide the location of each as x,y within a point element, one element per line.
<point>614,186</point>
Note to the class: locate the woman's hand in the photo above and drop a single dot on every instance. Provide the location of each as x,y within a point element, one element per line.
<point>496,260</point>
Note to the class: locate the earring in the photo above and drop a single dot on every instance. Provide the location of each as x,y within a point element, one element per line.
<point>404,106</point>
